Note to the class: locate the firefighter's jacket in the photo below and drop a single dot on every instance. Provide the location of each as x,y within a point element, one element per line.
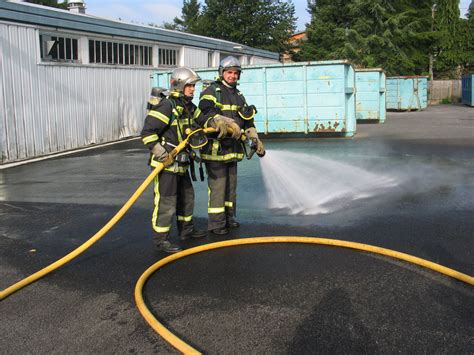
<point>220,99</point>
<point>166,124</point>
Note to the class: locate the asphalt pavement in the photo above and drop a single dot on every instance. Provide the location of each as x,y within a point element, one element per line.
<point>273,298</point>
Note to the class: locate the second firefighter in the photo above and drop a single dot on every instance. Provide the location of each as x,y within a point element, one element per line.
<point>164,128</point>
<point>224,108</point>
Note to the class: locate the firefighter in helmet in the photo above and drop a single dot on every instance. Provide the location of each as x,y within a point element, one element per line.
<point>222,107</point>
<point>164,128</point>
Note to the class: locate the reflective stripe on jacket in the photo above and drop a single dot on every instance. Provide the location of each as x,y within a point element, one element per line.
<point>219,99</point>
<point>166,124</point>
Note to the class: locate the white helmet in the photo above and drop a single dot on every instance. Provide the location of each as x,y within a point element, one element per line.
<point>228,63</point>
<point>180,77</point>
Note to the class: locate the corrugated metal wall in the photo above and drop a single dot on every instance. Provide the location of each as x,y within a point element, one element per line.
<point>47,108</point>
<point>195,58</point>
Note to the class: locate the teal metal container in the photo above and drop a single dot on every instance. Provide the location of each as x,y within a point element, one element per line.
<point>370,95</point>
<point>310,97</point>
<point>406,93</point>
<point>467,89</point>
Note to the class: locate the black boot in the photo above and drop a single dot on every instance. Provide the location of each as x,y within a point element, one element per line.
<point>232,223</point>
<point>168,247</point>
<point>194,234</point>
<point>220,231</point>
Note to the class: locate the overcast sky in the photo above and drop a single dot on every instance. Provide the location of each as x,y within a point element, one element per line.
<point>159,11</point>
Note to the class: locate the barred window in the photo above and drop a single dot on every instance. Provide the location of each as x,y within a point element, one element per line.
<point>167,57</point>
<point>116,53</point>
<point>209,58</point>
<point>56,48</point>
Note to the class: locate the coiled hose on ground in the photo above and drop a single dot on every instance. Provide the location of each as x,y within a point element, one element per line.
<point>188,349</point>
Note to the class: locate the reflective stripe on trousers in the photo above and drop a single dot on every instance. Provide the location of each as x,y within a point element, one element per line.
<point>222,195</point>
<point>173,195</point>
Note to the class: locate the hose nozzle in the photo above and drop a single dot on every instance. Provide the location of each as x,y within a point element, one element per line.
<point>250,147</point>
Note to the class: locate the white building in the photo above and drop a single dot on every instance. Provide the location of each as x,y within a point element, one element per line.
<point>70,80</point>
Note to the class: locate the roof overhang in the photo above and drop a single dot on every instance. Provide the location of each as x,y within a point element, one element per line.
<point>62,19</point>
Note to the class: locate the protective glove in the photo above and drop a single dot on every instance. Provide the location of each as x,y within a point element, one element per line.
<point>232,125</point>
<point>253,135</point>
<point>236,132</point>
<point>162,155</point>
<point>220,125</point>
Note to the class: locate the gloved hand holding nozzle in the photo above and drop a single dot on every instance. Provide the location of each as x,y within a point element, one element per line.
<point>253,135</point>
<point>223,124</point>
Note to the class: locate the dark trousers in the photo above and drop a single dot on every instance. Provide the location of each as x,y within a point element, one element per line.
<point>222,183</point>
<point>173,194</point>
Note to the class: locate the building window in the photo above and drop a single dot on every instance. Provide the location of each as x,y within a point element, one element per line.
<point>55,48</point>
<point>167,57</point>
<point>210,55</point>
<point>115,53</point>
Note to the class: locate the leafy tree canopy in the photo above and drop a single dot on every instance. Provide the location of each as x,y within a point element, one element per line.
<point>264,24</point>
<point>189,21</point>
<point>398,36</point>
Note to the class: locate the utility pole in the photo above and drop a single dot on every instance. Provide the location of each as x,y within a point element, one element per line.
<point>433,11</point>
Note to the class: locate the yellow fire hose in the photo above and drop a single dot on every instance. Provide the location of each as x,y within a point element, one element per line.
<point>185,348</point>
<point>76,252</point>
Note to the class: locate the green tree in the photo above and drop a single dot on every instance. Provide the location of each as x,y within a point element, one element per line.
<point>326,33</point>
<point>446,26</point>
<point>415,37</point>
<point>466,42</point>
<point>264,24</point>
<point>470,11</point>
<point>376,33</point>
<point>190,16</point>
